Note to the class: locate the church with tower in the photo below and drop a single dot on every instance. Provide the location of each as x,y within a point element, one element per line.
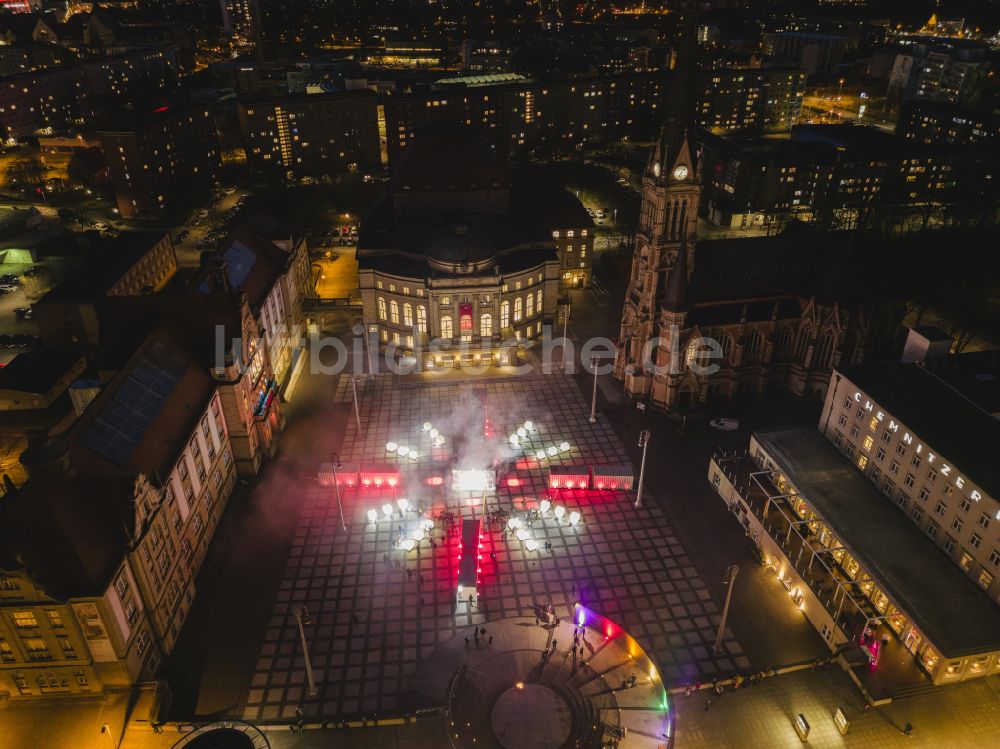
<point>731,316</point>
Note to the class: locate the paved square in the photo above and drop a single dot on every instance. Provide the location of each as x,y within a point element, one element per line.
<point>377,610</point>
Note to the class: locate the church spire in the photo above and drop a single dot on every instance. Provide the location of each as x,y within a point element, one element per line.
<point>677,128</point>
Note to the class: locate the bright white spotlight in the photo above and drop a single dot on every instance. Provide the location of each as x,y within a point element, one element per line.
<point>403,504</point>
<point>513,523</point>
<point>559,512</point>
<point>552,450</point>
<point>544,506</point>
<point>418,534</point>
<point>564,446</point>
<point>438,441</point>
<point>470,480</point>
<point>522,534</point>
<point>522,432</point>
<point>540,455</point>
<point>427,426</point>
<point>387,510</point>
<point>373,516</point>
<point>402,451</point>
<point>414,455</point>
<point>514,440</point>
<point>574,517</point>
<point>427,524</point>
<point>391,447</point>
<point>408,544</point>
<point>531,545</point>
<point>435,433</point>
<point>529,425</point>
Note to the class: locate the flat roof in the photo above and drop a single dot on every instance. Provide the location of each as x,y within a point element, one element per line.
<point>947,606</point>
<point>937,414</point>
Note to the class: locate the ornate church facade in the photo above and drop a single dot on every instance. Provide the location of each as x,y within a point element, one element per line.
<point>732,316</point>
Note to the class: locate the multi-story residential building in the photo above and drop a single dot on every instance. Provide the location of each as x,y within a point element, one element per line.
<point>149,72</point>
<point>839,173</point>
<point>811,51</point>
<point>313,134</point>
<point>131,497</point>
<point>157,161</point>
<point>523,117</point>
<point>16,59</point>
<point>46,100</point>
<point>750,99</point>
<point>941,123</point>
<point>241,17</point>
<point>457,254</point>
<point>275,278</point>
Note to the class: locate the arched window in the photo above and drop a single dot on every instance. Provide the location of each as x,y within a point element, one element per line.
<point>421,319</point>
<point>518,309</point>
<point>381,308</point>
<point>394,312</point>
<point>824,351</point>
<point>446,328</point>
<point>753,346</point>
<point>504,314</point>
<point>486,325</point>
<point>408,315</point>
<point>802,345</point>
<point>783,344</point>
<point>691,355</point>
<point>530,305</point>
<point>538,301</point>
<point>726,344</point>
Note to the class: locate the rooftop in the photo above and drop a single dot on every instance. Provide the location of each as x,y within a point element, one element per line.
<point>106,262</point>
<point>938,414</point>
<point>38,371</point>
<point>929,587</point>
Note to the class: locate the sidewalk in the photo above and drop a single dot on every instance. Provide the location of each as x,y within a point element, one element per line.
<point>760,716</point>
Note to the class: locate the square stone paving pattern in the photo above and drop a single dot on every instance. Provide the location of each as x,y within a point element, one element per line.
<point>377,611</point>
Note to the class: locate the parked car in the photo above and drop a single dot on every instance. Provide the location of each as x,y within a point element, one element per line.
<point>34,270</point>
<point>23,313</point>
<point>6,288</point>
<point>6,341</point>
<point>9,279</point>
<point>23,340</point>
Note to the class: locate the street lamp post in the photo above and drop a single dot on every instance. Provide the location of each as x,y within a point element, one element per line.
<point>335,460</point>
<point>106,729</point>
<point>644,436</point>
<point>593,400</point>
<point>731,572</point>
<point>566,311</point>
<point>303,618</point>
<point>357,413</point>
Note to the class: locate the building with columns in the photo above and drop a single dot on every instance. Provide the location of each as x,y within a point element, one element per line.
<point>458,255</point>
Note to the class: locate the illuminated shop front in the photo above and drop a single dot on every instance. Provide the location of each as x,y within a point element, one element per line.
<point>859,571</point>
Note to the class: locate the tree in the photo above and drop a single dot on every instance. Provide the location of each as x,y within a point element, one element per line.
<point>88,167</point>
<point>27,173</point>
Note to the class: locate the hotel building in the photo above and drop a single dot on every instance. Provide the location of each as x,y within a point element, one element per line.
<point>882,524</point>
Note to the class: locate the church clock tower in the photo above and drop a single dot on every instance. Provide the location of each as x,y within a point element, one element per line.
<point>668,220</point>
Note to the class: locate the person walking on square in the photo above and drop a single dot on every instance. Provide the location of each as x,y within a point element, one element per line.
<point>908,729</point>
<point>490,641</point>
<point>466,642</point>
<point>477,639</point>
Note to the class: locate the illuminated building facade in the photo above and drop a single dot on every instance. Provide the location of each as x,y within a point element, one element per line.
<point>160,160</point>
<point>521,118</point>
<point>925,445</point>
<point>314,134</point>
<point>861,573</point>
<point>747,99</point>
<point>133,523</point>
<point>43,101</point>
<point>943,123</point>
<point>884,519</point>
<point>241,17</point>
<point>459,254</point>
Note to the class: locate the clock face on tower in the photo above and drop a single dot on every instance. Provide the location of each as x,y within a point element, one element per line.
<point>656,168</point>
<point>681,172</point>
